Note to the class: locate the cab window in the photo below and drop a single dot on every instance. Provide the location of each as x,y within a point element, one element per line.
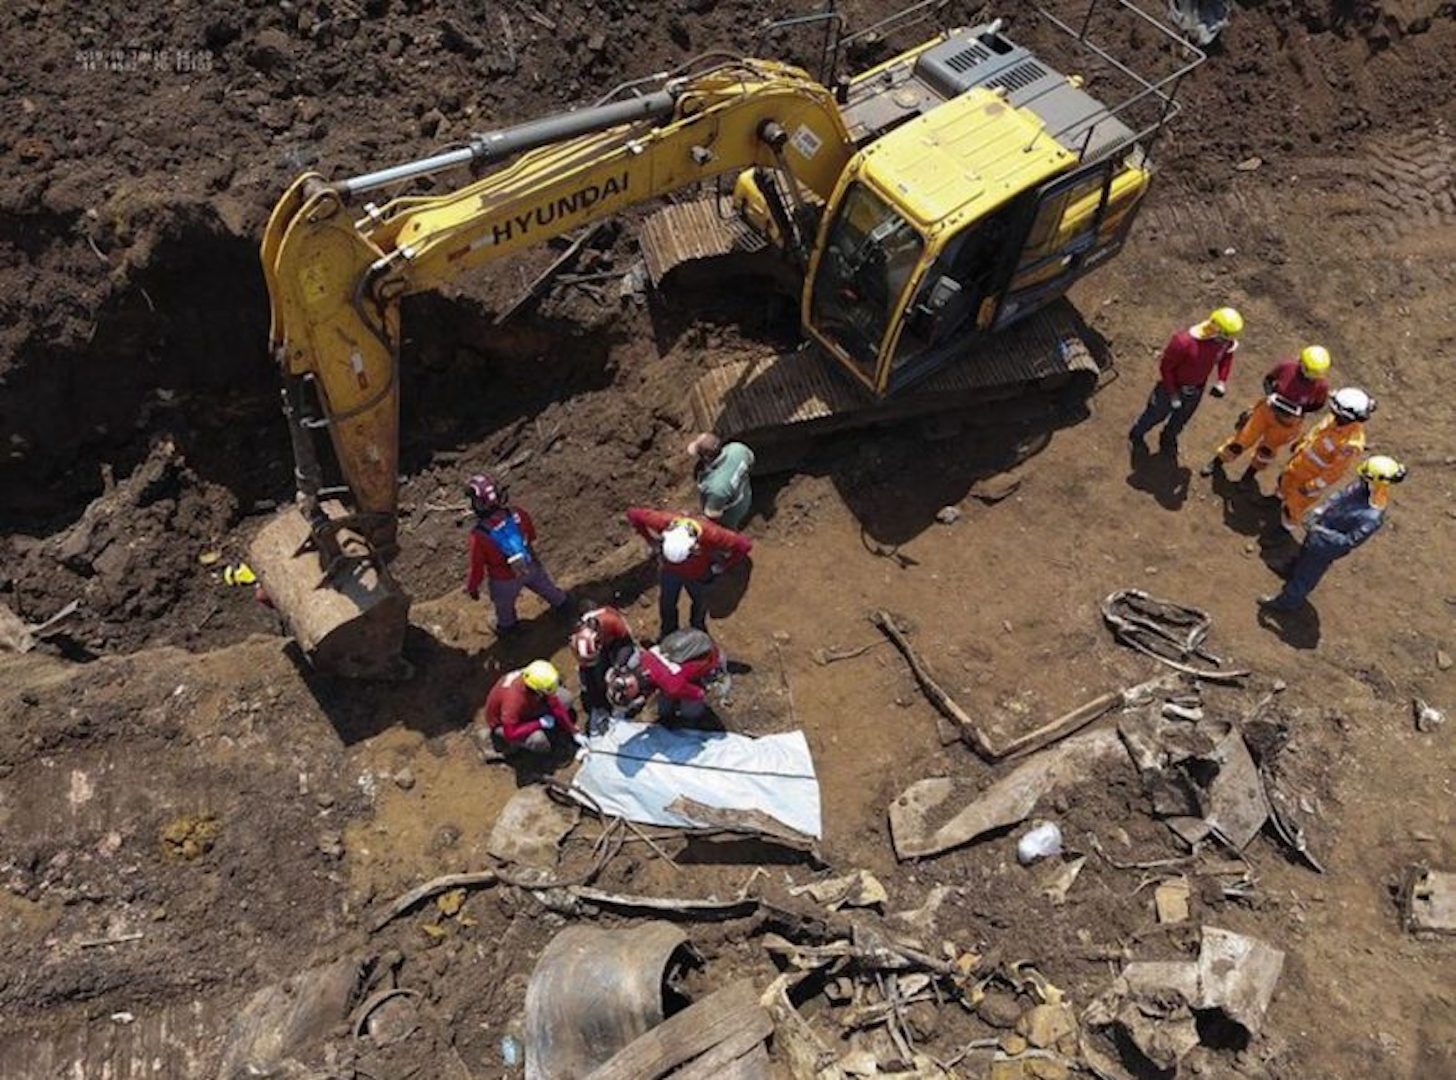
<point>869,258</point>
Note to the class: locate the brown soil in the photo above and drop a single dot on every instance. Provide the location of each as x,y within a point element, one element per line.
<point>134,320</point>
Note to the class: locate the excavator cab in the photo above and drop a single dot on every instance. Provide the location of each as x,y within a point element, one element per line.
<point>939,233</point>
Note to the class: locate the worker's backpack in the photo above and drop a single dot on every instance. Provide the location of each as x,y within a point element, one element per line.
<point>508,535</point>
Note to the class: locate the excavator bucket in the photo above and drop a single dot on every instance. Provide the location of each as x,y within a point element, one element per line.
<point>351,622</point>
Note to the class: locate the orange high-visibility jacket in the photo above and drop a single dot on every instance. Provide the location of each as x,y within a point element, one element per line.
<point>1326,453</point>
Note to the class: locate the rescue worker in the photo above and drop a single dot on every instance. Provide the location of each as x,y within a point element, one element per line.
<point>693,552</point>
<point>502,552</point>
<point>528,708</point>
<point>679,670</point>
<point>1323,457</point>
<point>1337,528</point>
<point>1188,360</point>
<point>601,642</point>
<point>722,474</point>
<point>1293,390</point>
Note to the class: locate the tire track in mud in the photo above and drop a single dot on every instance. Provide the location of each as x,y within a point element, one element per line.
<point>1399,185</point>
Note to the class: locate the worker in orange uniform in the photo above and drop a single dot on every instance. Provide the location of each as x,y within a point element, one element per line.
<point>694,552</point>
<point>1293,390</point>
<point>1325,454</point>
<point>1188,360</point>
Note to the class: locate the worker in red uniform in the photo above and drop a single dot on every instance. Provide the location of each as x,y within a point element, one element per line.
<point>693,552</point>
<point>525,707</point>
<point>679,669</point>
<point>502,552</point>
<point>601,641</point>
<point>1188,360</point>
<point>1293,389</point>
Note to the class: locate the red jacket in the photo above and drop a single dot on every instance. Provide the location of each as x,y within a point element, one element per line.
<point>486,556</point>
<point>717,547</point>
<point>1290,382</point>
<point>680,682</point>
<point>1188,361</point>
<point>515,710</point>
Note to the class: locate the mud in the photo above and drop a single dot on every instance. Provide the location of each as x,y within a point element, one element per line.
<point>1309,182</point>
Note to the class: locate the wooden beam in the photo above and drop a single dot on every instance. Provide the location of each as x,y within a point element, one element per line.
<point>733,1014</point>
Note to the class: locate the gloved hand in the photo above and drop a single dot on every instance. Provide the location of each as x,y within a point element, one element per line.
<point>1218,389</point>
<point>474,594</point>
<point>547,722</point>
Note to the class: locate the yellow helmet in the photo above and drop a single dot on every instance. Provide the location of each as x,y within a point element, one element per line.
<point>1227,321</point>
<point>1314,361</point>
<point>1382,469</point>
<point>541,676</point>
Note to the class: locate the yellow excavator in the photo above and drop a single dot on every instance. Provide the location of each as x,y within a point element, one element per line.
<point>932,209</point>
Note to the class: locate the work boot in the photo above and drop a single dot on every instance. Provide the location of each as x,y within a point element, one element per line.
<point>1139,446</point>
<point>1275,602</point>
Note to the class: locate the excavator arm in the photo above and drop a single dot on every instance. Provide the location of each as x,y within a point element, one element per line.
<point>336,273</point>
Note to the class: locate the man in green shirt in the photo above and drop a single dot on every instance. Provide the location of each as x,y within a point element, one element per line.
<point>722,474</point>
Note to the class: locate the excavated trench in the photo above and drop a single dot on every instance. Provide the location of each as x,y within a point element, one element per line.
<point>139,459</point>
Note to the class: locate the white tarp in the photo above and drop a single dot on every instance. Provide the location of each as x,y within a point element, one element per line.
<point>638,770</point>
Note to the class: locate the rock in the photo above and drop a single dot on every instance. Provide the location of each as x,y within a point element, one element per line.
<point>1443,660</point>
<point>270,51</point>
<point>331,845</point>
<point>324,800</point>
<point>948,515</point>
<point>457,40</point>
<point>1170,899</point>
<point>1249,164</point>
<point>597,42</point>
<point>431,123</point>
<point>394,1021</point>
<point>404,779</point>
<point>1049,1027</point>
<point>924,1019</point>
<point>999,1009</point>
<point>839,991</point>
<point>1428,719</point>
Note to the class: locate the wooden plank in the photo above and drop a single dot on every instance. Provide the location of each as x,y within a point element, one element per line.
<point>725,1057</point>
<point>697,1029</point>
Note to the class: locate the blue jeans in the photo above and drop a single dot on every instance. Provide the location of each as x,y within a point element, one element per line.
<point>672,587</point>
<point>1314,559</point>
<point>1160,408</point>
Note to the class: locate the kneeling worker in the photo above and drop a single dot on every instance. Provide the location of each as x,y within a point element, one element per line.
<point>526,707</point>
<point>679,669</point>
<point>601,641</point>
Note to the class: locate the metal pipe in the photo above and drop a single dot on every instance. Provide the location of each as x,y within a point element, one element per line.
<point>493,146</point>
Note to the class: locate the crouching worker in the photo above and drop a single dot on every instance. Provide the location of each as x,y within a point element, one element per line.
<point>529,711</point>
<point>601,642</point>
<point>680,669</point>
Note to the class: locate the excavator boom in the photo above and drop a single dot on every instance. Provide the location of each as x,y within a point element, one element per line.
<point>336,274</point>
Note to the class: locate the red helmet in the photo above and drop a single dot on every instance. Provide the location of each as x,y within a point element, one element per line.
<point>485,493</point>
<point>623,687</point>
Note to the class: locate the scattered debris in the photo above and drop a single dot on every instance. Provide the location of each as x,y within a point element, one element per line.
<point>190,836</point>
<point>825,657</point>
<point>705,1040</point>
<point>970,732</point>
<point>530,828</point>
<point>992,489</point>
<point>858,889</point>
<point>1155,1003</point>
<point>1443,660</point>
<point>1428,900</point>
<point>1056,890</point>
<point>16,635</point>
<point>1042,841</point>
<point>1171,900</point>
<point>948,515</point>
<point>1006,802</point>
<point>285,1018</point>
<point>1428,719</point>
<point>1171,633</point>
<point>1249,164</point>
<point>594,992</point>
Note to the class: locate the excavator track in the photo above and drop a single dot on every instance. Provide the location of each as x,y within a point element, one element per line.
<point>782,402</point>
<point>692,231</point>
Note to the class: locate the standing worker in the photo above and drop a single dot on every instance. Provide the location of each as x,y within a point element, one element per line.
<point>1293,390</point>
<point>1323,457</point>
<point>721,470</point>
<point>601,641</point>
<point>1188,360</point>
<point>525,707</point>
<point>694,552</point>
<point>1338,528</point>
<point>502,549</point>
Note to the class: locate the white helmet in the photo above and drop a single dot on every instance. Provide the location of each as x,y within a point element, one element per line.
<point>678,543</point>
<point>1352,403</point>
